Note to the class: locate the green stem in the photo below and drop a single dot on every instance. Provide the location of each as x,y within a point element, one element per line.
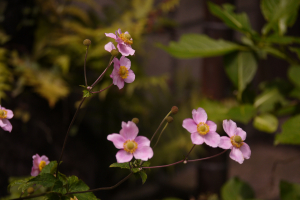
<point>160,135</point>
<point>160,125</point>
<point>85,65</point>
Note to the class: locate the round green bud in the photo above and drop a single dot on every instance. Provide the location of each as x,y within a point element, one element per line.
<point>30,190</point>
<point>87,42</point>
<point>127,36</point>
<point>237,139</point>
<point>114,52</point>
<point>174,110</point>
<point>169,119</point>
<point>135,120</point>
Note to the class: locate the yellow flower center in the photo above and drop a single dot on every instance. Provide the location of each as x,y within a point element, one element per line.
<point>202,128</point>
<point>236,141</point>
<point>126,38</point>
<point>3,114</point>
<point>123,72</point>
<point>42,165</point>
<point>130,146</point>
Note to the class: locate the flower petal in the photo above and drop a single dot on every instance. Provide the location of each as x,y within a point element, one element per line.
<point>125,50</point>
<point>129,131</point>
<point>190,125</point>
<point>240,132</point>
<point>199,115</point>
<point>111,35</point>
<point>34,171</point>
<point>212,139</point>
<point>245,149</point>
<point>116,64</point>
<point>144,153</point>
<point>8,126</point>
<point>197,138</point>
<point>36,160</point>
<point>130,78</point>
<point>212,126</point>
<point>45,158</point>
<point>10,114</point>
<point>123,156</point>
<point>119,82</point>
<point>109,46</point>
<point>125,62</point>
<point>119,31</point>
<point>229,127</point>
<point>236,155</point>
<point>117,139</point>
<point>1,123</point>
<point>142,141</point>
<point>225,142</point>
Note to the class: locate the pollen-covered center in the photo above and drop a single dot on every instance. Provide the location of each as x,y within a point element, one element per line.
<point>123,72</point>
<point>126,38</point>
<point>236,141</point>
<point>130,146</point>
<point>42,165</point>
<point>202,128</point>
<point>3,114</point>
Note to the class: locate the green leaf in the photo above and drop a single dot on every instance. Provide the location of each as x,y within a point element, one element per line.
<point>279,39</point>
<point>242,113</point>
<point>275,52</point>
<point>289,191</point>
<point>143,176</point>
<point>239,22</point>
<point>46,180</point>
<point>121,165</point>
<point>87,93</point>
<point>267,100</point>
<point>280,14</point>
<point>146,164</point>
<point>76,185</point>
<point>50,168</point>
<point>21,182</point>
<point>58,187</point>
<point>235,189</point>
<point>295,50</point>
<point>240,68</point>
<point>266,122</point>
<point>290,132</point>
<point>294,74</point>
<point>196,45</point>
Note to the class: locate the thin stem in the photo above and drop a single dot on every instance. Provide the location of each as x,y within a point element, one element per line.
<point>186,157</point>
<point>103,89</point>
<point>99,78</point>
<point>67,134</point>
<point>195,160</point>
<point>160,135</point>
<point>160,125</point>
<point>104,188</point>
<point>87,48</point>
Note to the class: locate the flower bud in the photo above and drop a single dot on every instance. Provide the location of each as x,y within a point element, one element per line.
<point>89,87</point>
<point>114,52</point>
<point>30,190</point>
<point>87,42</point>
<point>135,120</point>
<point>169,119</point>
<point>174,110</point>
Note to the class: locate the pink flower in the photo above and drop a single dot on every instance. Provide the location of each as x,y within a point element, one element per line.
<point>122,72</point>
<point>130,144</point>
<point>202,130</point>
<point>5,114</point>
<point>109,46</point>
<point>124,41</point>
<point>239,149</point>
<point>38,164</point>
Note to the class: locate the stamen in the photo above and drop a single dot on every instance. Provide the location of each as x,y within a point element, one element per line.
<point>123,72</point>
<point>130,146</point>
<point>236,141</point>
<point>202,128</point>
<point>126,38</point>
<point>42,165</point>
<point>3,114</point>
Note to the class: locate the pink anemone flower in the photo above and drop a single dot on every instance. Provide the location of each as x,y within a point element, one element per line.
<point>130,144</point>
<point>122,72</point>
<point>124,41</point>
<point>38,164</point>
<point>202,130</point>
<point>5,114</point>
<point>239,149</point>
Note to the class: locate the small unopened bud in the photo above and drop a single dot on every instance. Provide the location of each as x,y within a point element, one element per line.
<point>169,119</point>
<point>87,42</point>
<point>89,87</point>
<point>30,190</point>
<point>127,36</point>
<point>174,110</point>
<point>184,162</point>
<point>135,120</point>
<point>114,52</point>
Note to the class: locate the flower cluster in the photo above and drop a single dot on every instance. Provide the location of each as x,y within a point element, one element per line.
<point>204,131</point>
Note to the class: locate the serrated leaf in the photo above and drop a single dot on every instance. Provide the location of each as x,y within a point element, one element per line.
<point>143,176</point>
<point>239,22</point>
<point>294,74</point>
<point>58,187</point>
<point>50,168</point>
<point>197,45</point>
<point>242,113</point>
<point>289,191</point>
<point>21,182</point>
<point>235,189</point>
<point>240,68</point>
<point>46,180</point>
<point>146,164</point>
<point>290,132</point>
<point>121,165</point>
<point>77,185</point>
<point>266,122</point>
